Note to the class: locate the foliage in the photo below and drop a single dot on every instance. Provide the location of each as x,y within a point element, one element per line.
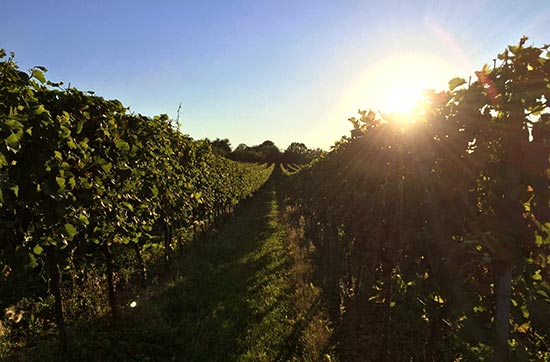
<point>267,152</point>
<point>427,235</point>
<point>221,146</point>
<point>298,153</point>
<point>80,176</point>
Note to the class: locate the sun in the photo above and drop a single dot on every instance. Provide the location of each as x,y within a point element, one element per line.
<point>391,85</point>
<point>403,104</point>
<point>395,84</point>
<point>403,98</point>
<point>401,80</point>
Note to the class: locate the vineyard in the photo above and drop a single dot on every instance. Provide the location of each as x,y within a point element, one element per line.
<point>425,240</point>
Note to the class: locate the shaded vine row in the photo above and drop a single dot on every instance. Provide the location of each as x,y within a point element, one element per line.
<point>433,238</point>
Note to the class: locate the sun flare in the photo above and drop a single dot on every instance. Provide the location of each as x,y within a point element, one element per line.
<point>401,81</point>
<point>402,99</point>
<point>395,85</point>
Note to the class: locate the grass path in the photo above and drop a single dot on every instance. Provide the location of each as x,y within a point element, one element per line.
<point>228,298</point>
<point>237,291</point>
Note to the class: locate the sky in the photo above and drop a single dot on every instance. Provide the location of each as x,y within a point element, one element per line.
<point>250,71</point>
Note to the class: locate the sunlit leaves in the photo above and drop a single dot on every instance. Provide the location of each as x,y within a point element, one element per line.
<point>37,249</point>
<point>455,83</point>
<point>12,142</point>
<point>15,190</point>
<point>40,110</point>
<point>39,75</point>
<point>70,231</point>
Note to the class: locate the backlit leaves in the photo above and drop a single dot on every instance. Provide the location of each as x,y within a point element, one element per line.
<point>447,205</point>
<point>455,83</point>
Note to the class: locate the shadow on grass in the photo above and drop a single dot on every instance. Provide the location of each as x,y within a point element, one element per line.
<point>224,300</point>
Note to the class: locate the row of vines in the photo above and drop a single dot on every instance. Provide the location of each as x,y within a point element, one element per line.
<point>433,238</point>
<point>80,176</point>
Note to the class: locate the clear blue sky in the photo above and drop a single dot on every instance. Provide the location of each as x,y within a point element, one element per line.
<point>255,70</point>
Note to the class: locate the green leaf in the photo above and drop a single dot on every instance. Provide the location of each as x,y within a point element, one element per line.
<point>543,293</point>
<point>70,231</point>
<point>72,182</point>
<point>71,144</point>
<point>79,126</point>
<point>65,117</point>
<point>24,76</point>
<point>107,166</point>
<point>37,250</point>
<point>524,311</point>
<point>12,140</point>
<point>60,182</point>
<point>65,132</point>
<point>85,182</point>
<point>122,145</point>
<point>38,74</point>
<point>32,261</point>
<point>154,190</point>
<point>13,123</point>
<point>40,109</point>
<point>3,161</point>
<point>15,189</point>
<point>537,275</point>
<point>456,82</point>
<point>83,219</point>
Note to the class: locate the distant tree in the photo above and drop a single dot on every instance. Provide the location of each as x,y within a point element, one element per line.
<point>221,146</point>
<point>297,148</point>
<point>241,147</point>
<point>243,153</point>
<point>270,152</point>
<point>316,153</point>
<point>298,152</point>
<point>266,152</point>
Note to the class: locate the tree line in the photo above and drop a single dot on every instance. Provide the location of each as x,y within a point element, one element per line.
<point>266,152</point>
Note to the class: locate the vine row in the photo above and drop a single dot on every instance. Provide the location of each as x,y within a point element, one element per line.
<point>80,175</point>
<point>433,236</point>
